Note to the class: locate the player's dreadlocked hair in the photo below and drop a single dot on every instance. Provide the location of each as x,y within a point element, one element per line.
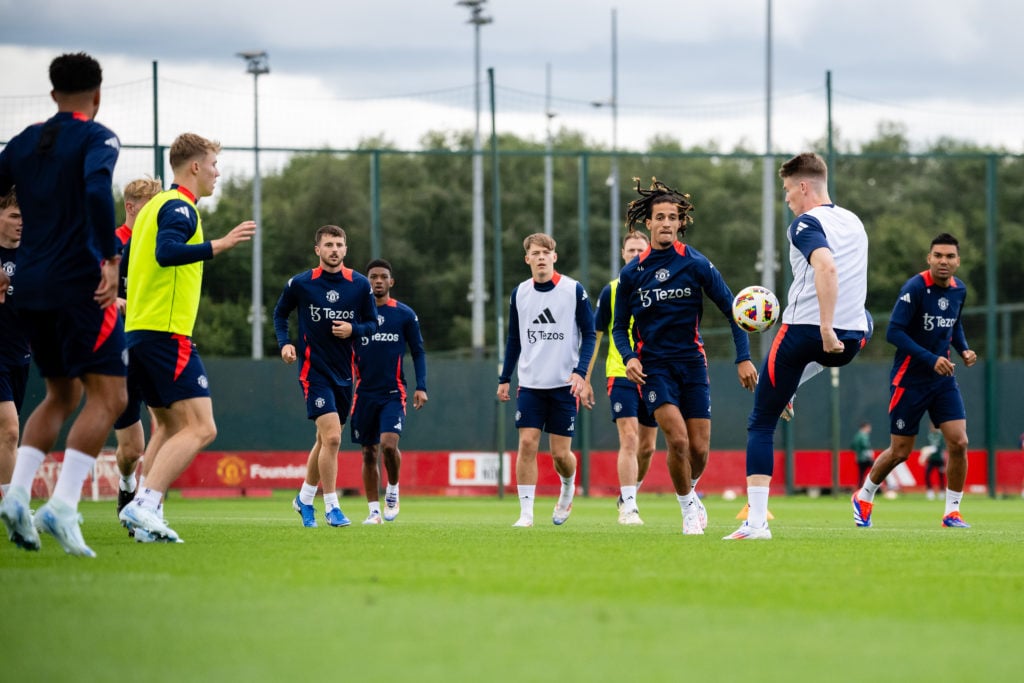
<point>639,210</point>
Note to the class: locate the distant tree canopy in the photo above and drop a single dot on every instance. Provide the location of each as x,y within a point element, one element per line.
<point>426,221</point>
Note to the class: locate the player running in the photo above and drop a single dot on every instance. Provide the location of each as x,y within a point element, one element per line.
<point>378,409</point>
<point>335,308</point>
<point>925,322</point>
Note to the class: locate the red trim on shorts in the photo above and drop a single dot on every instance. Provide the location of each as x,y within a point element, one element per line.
<point>184,353</point>
<point>398,380</point>
<point>304,372</point>
<point>774,350</point>
<point>896,396</point>
<point>902,371</point>
<point>106,327</point>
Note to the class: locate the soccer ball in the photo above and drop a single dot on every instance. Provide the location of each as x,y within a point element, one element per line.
<point>755,309</point>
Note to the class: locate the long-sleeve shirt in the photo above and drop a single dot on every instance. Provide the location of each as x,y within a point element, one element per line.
<point>550,333</point>
<point>321,299</point>
<point>380,356</point>
<point>925,322</point>
<point>62,170</point>
<point>662,292</point>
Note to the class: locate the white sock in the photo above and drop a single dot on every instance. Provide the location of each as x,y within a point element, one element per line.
<point>149,498</point>
<point>127,482</point>
<point>568,490</point>
<point>693,483</point>
<point>142,480</point>
<point>26,465</point>
<point>307,493</point>
<point>391,489</point>
<point>527,493</point>
<point>639,483</point>
<point>375,507</point>
<point>686,501</point>
<point>330,501</point>
<point>757,498</point>
<point>953,499</point>
<point>628,497</point>
<point>77,466</point>
<point>868,491</point>
<point>4,488</point>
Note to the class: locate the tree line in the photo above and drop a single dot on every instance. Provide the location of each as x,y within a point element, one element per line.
<point>904,199</point>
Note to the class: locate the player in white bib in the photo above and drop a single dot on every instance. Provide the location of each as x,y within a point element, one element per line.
<point>551,339</point>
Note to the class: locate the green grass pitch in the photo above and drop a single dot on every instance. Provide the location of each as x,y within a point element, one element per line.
<point>451,592</point>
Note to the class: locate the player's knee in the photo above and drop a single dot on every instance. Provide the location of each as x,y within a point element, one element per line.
<point>957,446</point>
<point>331,441</point>
<point>9,436</point>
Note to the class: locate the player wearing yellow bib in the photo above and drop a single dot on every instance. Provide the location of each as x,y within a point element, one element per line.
<point>165,274</point>
<point>637,429</point>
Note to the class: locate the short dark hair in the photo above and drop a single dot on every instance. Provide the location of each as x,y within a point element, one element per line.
<point>806,165</point>
<point>74,73</point>
<point>379,263</point>
<point>946,238</point>
<point>332,230</point>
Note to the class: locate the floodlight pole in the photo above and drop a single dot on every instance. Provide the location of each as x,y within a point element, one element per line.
<point>549,201</point>
<point>257,65</point>
<point>613,175</point>
<point>478,19</point>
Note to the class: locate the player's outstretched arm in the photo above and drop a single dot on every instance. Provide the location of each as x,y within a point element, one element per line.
<point>242,232</point>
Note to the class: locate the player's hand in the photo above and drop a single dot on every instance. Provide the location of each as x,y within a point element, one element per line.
<point>576,384</point>
<point>587,395</point>
<point>830,342</point>
<point>419,399</point>
<point>747,374</point>
<point>242,232</point>
<point>121,305</point>
<point>944,367</point>
<point>288,353</point>
<point>635,371</point>
<point>970,357</point>
<point>503,392</point>
<point>341,329</point>
<point>106,292</point>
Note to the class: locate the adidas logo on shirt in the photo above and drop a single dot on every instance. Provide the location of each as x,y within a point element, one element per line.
<point>905,298</point>
<point>544,318</point>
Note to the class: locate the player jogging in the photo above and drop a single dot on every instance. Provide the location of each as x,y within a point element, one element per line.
<point>66,284</point>
<point>637,429</point>
<point>165,273</point>
<point>378,411</point>
<point>661,294</point>
<point>551,339</point>
<point>335,308</point>
<point>925,322</point>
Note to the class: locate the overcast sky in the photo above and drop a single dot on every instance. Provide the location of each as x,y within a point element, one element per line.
<point>693,69</point>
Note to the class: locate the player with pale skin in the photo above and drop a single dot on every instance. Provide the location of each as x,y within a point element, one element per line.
<point>560,339</point>
<point>800,196</point>
<point>178,397</point>
<point>542,267</point>
<point>322,463</point>
<point>131,439</point>
<point>15,373</point>
<point>824,321</point>
<point>636,441</point>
